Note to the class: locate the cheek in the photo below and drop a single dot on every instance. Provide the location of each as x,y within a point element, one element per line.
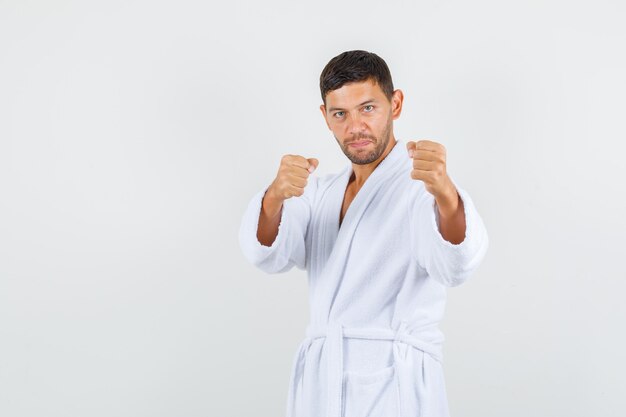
<point>380,124</point>
<point>338,132</point>
<point>340,129</point>
<point>334,124</point>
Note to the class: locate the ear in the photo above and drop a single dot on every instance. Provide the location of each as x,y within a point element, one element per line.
<point>396,103</point>
<point>323,110</point>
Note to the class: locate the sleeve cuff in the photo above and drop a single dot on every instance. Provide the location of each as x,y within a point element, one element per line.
<point>254,250</point>
<point>461,259</point>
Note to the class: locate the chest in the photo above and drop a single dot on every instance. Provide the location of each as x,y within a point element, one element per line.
<point>347,200</point>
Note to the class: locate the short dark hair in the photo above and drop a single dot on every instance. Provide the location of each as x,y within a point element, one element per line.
<point>353,66</point>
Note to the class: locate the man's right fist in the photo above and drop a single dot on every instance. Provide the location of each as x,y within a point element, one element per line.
<point>292,176</point>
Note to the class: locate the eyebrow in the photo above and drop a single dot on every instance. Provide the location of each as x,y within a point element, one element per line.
<point>371,100</point>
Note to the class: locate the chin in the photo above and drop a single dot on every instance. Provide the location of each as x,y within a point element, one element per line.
<point>362,158</point>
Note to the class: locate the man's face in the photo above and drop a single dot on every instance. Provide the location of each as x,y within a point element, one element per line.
<point>361,119</point>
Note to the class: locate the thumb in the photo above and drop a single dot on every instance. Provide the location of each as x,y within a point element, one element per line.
<point>410,147</point>
<point>313,163</point>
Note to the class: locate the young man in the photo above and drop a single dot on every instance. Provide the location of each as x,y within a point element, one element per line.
<point>381,241</point>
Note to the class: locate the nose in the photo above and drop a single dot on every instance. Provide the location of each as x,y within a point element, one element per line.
<point>356,125</point>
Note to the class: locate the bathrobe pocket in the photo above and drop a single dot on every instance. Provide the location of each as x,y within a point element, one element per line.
<point>372,394</point>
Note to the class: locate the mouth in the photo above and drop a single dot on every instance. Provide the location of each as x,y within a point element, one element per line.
<point>360,143</point>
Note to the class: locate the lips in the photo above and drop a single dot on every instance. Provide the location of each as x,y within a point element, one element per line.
<point>360,143</point>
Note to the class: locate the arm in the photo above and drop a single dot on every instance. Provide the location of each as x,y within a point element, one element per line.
<point>451,217</point>
<point>449,263</point>
<point>273,229</point>
<point>269,219</point>
<point>288,246</point>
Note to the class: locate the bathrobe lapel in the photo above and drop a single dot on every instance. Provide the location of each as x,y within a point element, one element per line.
<point>335,266</point>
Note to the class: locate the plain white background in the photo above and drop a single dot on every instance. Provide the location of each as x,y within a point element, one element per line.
<point>134,133</point>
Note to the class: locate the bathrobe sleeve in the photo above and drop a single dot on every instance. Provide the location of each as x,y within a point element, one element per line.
<point>450,264</point>
<point>288,249</point>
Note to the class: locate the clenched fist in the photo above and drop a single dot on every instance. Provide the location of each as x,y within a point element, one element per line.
<point>292,176</point>
<point>290,181</point>
<point>429,165</point>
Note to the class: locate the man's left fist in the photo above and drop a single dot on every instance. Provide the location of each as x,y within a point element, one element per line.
<point>429,166</point>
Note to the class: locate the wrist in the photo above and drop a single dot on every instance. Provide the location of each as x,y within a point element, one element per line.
<point>271,203</point>
<point>449,203</point>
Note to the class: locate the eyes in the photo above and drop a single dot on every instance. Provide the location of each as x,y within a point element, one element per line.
<point>368,109</point>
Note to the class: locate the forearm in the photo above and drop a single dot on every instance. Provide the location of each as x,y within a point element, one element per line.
<point>451,218</point>
<point>269,219</point>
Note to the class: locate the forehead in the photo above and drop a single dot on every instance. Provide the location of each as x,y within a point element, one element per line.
<point>353,93</point>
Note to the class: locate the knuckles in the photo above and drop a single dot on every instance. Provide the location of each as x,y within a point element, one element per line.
<point>290,181</point>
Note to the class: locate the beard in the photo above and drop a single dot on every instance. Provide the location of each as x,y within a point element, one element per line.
<point>360,157</point>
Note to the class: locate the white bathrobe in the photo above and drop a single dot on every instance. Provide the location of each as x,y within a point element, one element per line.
<point>377,290</point>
